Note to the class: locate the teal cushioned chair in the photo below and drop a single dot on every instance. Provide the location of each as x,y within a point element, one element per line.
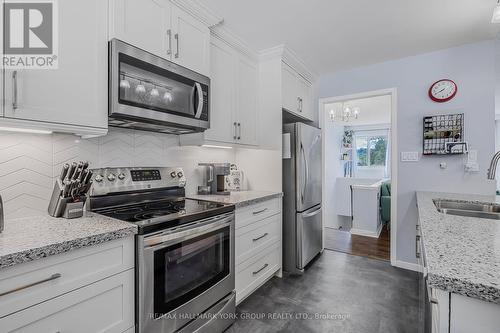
<point>385,202</point>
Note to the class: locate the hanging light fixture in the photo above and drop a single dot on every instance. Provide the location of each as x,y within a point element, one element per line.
<point>348,112</point>
<point>496,14</point>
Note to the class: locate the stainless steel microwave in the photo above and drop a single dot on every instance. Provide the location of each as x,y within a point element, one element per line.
<point>150,93</point>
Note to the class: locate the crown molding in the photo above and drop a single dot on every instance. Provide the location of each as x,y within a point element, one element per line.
<point>222,33</point>
<point>199,11</point>
<point>289,57</point>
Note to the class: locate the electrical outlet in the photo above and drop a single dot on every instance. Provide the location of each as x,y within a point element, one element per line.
<point>409,156</point>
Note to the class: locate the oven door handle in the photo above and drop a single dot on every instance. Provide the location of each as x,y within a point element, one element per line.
<point>186,232</point>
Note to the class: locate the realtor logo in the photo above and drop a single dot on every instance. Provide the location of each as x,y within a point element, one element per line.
<point>30,34</point>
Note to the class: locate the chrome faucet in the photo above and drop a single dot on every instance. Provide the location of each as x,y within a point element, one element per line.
<point>493,165</point>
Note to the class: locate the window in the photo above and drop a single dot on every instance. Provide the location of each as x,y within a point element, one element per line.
<point>371,150</point>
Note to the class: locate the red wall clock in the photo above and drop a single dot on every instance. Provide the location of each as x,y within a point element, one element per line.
<point>443,90</point>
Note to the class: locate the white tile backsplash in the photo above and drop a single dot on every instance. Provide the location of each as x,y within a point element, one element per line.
<point>29,163</point>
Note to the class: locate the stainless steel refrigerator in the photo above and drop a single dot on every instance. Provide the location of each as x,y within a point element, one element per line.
<point>302,225</point>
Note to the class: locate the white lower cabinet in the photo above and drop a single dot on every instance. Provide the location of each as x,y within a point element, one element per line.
<point>456,313</point>
<point>104,306</point>
<point>85,290</point>
<point>258,245</point>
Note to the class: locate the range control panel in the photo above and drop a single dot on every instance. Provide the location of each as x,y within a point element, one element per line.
<point>113,180</point>
<point>145,175</point>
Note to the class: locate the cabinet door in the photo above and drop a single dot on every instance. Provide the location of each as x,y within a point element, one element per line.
<point>305,92</point>
<point>289,87</point>
<point>76,92</point>
<point>222,92</point>
<point>191,42</point>
<point>143,23</point>
<point>247,92</point>
<point>2,92</point>
<point>106,306</point>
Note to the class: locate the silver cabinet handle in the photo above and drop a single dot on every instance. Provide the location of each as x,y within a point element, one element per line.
<point>176,36</point>
<point>169,34</point>
<point>52,277</point>
<point>298,104</point>
<point>239,131</point>
<point>14,90</point>
<point>260,237</point>
<point>417,246</point>
<point>259,211</point>
<point>301,103</point>
<point>260,270</point>
<point>235,130</point>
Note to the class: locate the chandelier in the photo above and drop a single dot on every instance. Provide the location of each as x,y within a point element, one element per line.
<point>348,112</point>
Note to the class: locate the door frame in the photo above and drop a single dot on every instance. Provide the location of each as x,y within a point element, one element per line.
<point>394,154</point>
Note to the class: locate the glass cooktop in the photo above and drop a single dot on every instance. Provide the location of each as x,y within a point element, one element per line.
<point>176,212</point>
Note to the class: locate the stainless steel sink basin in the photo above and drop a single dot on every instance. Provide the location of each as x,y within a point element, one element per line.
<point>470,209</point>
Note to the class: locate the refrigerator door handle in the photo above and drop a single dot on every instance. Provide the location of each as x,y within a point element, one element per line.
<point>313,213</point>
<point>306,167</point>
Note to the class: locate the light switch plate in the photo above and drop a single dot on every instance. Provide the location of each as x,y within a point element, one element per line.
<point>409,156</point>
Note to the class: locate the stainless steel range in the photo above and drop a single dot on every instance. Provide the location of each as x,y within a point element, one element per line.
<point>184,249</point>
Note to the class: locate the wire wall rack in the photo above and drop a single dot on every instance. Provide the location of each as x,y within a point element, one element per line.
<point>444,135</point>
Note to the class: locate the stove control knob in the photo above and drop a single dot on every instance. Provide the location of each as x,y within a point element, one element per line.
<point>173,174</point>
<point>121,176</point>
<point>180,174</point>
<point>111,177</point>
<point>98,178</point>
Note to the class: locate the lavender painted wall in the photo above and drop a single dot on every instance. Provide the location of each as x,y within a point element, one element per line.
<point>472,67</point>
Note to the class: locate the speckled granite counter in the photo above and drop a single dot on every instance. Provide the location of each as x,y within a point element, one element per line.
<point>239,199</point>
<point>462,253</point>
<point>32,238</point>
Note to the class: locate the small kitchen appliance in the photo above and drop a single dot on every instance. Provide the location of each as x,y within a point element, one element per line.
<point>185,265</point>
<point>150,93</point>
<point>216,177</point>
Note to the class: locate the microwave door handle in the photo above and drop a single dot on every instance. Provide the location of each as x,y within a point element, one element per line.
<point>199,106</point>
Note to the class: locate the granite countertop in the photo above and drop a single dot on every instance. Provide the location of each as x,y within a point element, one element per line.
<point>462,253</point>
<point>31,238</point>
<point>239,199</point>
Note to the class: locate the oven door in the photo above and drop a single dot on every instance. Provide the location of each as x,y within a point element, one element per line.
<point>184,273</point>
<point>144,88</point>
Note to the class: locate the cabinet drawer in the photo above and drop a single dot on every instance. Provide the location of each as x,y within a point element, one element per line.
<point>104,306</point>
<point>255,237</point>
<point>256,212</point>
<point>252,273</point>
<point>37,281</point>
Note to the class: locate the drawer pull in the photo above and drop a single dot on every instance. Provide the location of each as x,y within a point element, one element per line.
<point>256,239</point>
<point>259,211</point>
<point>52,277</point>
<point>260,270</point>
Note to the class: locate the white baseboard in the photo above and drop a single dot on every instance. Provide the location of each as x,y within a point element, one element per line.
<point>407,265</point>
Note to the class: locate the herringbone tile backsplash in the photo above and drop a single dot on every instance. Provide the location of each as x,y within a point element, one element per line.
<point>29,163</point>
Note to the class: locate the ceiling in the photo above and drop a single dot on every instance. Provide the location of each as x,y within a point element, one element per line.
<point>331,35</point>
<point>373,110</point>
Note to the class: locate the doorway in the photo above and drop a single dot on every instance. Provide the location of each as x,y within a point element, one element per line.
<point>360,173</point>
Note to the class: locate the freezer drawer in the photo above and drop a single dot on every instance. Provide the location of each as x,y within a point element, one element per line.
<point>309,235</point>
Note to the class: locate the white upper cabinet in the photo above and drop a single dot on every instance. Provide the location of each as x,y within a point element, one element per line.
<point>247,98</point>
<point>191,42</point>
<point>296,93</point>
<point>75,94</point>
<point>143,23</point>
<point>160,27</point>
<point>289,89</point>
<point>222,128</point>
<point>234,96</point>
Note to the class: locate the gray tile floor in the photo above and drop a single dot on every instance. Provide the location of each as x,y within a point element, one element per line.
<point>358,294</point>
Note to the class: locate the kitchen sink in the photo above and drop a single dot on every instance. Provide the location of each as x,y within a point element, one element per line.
<point>469,209</point>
